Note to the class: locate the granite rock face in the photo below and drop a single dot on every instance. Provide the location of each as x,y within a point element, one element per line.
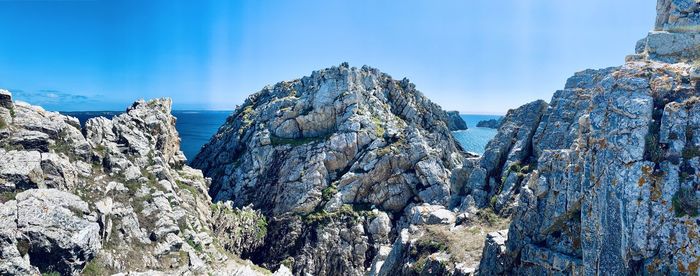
<point>321,156</point>
<point>612,186</point>
<point>455,121</point>
<point>112,197</point>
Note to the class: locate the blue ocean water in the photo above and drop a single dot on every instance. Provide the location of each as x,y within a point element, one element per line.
<point>475,138</point>
<point>197,127</point>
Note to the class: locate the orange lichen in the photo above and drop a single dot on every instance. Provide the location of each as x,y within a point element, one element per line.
<point>641,181</point>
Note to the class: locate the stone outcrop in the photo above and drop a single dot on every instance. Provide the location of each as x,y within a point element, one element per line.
<point>492,123</point>
<point>455,121</point>
<point>112,197</point>
<point>612,183</point>
<point>323,155</point>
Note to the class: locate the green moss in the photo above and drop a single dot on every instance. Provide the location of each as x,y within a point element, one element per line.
<point>288,262</point>
<point>184,186</point>
<point>3,124</point>
<point>323,216</point>
<point>685,203</point>
<point>94,268</point>
<point>378,126</point>
<point>12,113</point>
<point>492,201</point>
<point>328,192</point>
<point>197,246</point>
<point>261,223</point>
<point>50,273</point>
<point>277,141</point>
<point>100,149</point>
<point>7,196</point>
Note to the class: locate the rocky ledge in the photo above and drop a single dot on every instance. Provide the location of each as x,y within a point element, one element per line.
<point>112,197</point>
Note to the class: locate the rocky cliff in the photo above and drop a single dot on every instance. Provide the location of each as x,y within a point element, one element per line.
<point>455,121</point>
<point>112,197</point>
<point>604,180</point>
<point>339,162</point>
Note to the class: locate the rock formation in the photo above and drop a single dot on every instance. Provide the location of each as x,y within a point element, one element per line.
<point>493,123</point>
<point>455,121</point>
<point>112,197</point>
<point>334,160</point>
<point>611,185</point>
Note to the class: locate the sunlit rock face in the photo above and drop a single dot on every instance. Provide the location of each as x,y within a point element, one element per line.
<point>342,137</point>
<point>615,187</point>
<point>112,197</point>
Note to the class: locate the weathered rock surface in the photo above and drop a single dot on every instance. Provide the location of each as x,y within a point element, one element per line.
<point>614,189</point>
<point>455,121</point>
<point>322,155</point>
<point>493,123</point>
<point>113,197</point>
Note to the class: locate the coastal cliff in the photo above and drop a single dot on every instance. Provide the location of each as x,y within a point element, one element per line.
<point>611,185</point>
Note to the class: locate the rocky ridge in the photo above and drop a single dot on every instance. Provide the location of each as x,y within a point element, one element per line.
<point>112,197</point>
<point>608,183</point>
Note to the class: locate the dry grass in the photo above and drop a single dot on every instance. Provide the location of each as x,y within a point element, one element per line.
<point>465,243</point>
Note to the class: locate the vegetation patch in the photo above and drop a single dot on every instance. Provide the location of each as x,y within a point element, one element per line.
<point>378,126</point>
<point>7,196</point>
<point>685,203</point>
<point>3,124</point>
<point>328,192</point>
<point>12,113</point>
<point>353,212</point>
<point>197,246</point>
<point>95,268</point>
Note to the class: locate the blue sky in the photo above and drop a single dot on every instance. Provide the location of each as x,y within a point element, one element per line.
<point>475,56</point>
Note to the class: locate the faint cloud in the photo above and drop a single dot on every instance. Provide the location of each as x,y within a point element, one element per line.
<point>52,99</point>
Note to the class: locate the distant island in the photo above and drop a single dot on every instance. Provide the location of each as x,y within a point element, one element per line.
<point>493,123</point>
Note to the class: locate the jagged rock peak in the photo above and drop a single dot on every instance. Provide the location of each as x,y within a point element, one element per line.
<point>325,149</point>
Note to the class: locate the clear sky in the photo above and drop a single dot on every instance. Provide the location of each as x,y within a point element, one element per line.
<point>475,56</point>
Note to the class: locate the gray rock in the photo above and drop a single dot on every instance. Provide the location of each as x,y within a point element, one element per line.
<point>492,123</point>
<point>678,15</point>
<point>494,260</point>
<point>331,143</point>
<point>6,99</point>
<point>613,190</point>
<point>62,234</point>
<point>455,121</point>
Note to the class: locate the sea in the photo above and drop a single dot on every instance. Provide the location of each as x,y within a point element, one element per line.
<point>197,127</point>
